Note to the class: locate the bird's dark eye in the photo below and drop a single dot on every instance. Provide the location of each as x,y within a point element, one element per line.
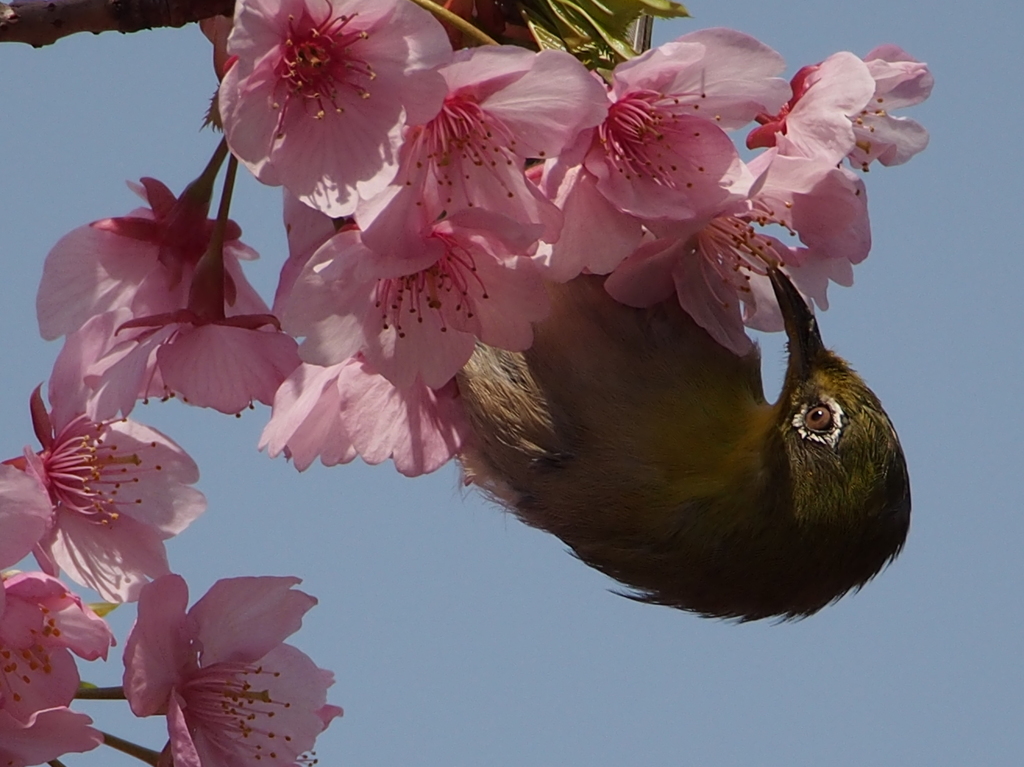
<point>819,418</point>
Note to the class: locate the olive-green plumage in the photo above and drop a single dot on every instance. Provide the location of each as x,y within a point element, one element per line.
<point>650,450</point>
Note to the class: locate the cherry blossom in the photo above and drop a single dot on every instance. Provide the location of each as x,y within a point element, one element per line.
<point>232,692</point>
<point>41,624</point>
<point>900,81</point>
<point>116,489</point>
<point>345,410</point>
<point>504,106</point>
<point>662,151</point>
<point>142,262</point>
<point>417,315</point>
<point>717,265</point>
<point>320,91</point>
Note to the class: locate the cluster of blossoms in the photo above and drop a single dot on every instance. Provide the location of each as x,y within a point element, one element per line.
<point>96,503</point>
<point>429,195</point>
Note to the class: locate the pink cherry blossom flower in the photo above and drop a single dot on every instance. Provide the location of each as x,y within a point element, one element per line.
<point>504,106</point>
<point>816,121</point>
<point>225,364</point>
<point>900,81</point>
<point>417,316</point>
<point>345,410</point>
<point>41,624</point>
<point>47,735</point>
<point>218,346</point>
<point>717,265</point>
<point>661,152</point>
<point>320,92</point>
<point>142,262</point>
<point>116,491</point>
<point>232,692</point>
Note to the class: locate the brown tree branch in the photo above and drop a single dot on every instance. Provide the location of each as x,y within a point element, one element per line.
<point>39,22</point>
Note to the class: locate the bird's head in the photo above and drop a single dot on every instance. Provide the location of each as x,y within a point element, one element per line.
<point>847,471</point>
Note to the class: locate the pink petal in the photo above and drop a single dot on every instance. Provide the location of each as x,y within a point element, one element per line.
<point>225,367</point>
<point>581,245</point>
<point>48,734</point>
<point>242,619</point>
<point>158,647</point>
<point>419,428</point>
<point>183,747</point>
<point>115,560</point>
<point>160,476</point>
<point>90,271</point>
<point>721,74</point>
<point>306,419</point>
<point>25,513</point>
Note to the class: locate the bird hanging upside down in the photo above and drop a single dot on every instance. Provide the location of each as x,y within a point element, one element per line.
<point>651,451</point>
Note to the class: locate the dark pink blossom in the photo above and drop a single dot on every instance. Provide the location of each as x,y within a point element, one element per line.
<point>41,624</point>
<point>320,91</point>
<point>232,692</point>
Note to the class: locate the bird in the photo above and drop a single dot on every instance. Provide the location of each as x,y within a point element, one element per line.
<point>652,452</point>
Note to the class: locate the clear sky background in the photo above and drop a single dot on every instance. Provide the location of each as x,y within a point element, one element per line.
<point>459,636</point>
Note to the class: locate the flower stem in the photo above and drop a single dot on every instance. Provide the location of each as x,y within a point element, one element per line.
<point>457,21</point>
<point>206,294</point>
<point>147,755</point>
<point>100,693</point>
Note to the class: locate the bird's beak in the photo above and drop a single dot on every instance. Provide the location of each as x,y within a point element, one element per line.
<point>802,329</point>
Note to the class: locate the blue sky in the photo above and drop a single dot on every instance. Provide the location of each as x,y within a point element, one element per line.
<point>460,637</point>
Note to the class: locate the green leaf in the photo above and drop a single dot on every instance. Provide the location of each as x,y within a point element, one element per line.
<point>597,32</point>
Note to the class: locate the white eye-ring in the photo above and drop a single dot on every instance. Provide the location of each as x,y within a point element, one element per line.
<point>821,421</point>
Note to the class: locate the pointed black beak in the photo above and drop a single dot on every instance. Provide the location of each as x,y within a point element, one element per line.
<point>802,329</point>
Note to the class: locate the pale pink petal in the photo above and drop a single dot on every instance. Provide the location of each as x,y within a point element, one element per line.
<point>306,419</point>
<point>242,619</point>
<point>901,79</point>
<point>543,119</point>
<point>90,271</point>
<point>158,649</point>
<point>183,746</point>
<point>156,489</point>
<point>323,303</point>
<point>645,278</point>
<point>677,166</point>
<point>307,229</point>
<point>719,74</point>
<point>225,367</point>
<point>25,513</point>
<point>712,303</point>
<point>419,428</point>
<point>819,123</point>
<point>47,735</point>
<point>115,560</point>
<point>288,677</point>
<point>582,246</point>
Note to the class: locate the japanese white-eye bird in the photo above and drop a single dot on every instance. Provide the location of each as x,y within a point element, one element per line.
<point>651,451</point>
